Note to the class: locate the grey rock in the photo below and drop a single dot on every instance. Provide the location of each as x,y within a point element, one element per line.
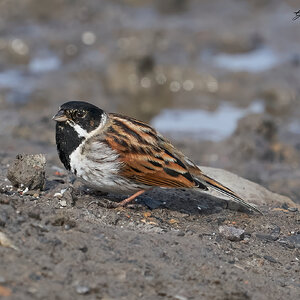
<point>28,171</point>
<point>266,237</point>
<point>270,259</point>
<point>272,236</point>
<point>232,233</point>
<point>293,209</point>
<point>248,190</point>
<point>82,289</point>
<point>34,214</point>
<point>291,242</point>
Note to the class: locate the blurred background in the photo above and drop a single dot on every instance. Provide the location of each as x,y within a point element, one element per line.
<point>219,78</point>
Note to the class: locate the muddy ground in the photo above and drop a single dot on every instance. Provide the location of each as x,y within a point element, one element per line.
<point>140,57</point>
<point>72,247</point>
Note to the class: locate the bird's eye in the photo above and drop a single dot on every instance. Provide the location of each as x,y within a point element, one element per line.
<point>78,114</point>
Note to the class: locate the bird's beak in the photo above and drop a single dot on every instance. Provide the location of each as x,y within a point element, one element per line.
<point>60,116</point>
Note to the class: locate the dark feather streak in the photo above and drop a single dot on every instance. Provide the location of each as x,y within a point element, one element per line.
<point>135,169</point>
<point>179,162</point>
<point>129,130</point>
<point>171,172</point>
<point>155,163</point>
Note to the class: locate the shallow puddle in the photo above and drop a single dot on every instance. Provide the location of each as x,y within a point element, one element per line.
<point>254,61</point>
<point>203,125</point>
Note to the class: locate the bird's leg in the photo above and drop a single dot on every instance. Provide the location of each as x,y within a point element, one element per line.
<point>129,199</point>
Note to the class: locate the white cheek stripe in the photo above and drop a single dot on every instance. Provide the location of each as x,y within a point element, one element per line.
<point>82,132</point>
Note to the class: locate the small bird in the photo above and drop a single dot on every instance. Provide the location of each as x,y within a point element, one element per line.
<point>119,154</point>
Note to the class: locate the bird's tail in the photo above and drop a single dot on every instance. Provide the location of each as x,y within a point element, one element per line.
<point>226,191</point>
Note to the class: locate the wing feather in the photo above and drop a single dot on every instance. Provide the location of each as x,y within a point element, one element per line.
<point>146,156</point>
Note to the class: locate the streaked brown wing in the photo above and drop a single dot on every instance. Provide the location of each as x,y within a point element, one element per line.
<point>147,157</point>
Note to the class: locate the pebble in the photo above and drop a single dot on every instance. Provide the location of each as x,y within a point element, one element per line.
<point>180,233</point>
<point>34,214</point>
<point>232,233</point>
<point>270,259</point>
<point>67,227</point>
<point>6,242</point>
<point>83,249</point>
<point>63,203</point>
<point>28,171</point>
<point>276,231</point>
<point>82,289</point>
<point>291,242</point>
<point>180,297</point>
<point>273,236</point>
<point>293,209</point>
<point>40,227</point>
<point>266,237</point>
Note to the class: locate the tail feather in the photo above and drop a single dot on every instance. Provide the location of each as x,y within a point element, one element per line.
<point>226,191</point>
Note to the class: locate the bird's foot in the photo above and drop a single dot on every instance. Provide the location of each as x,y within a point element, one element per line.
<point>129,199</point>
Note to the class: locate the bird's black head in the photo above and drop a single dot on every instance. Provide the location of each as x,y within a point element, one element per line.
<point>87,116</point>
<point>75,120</point>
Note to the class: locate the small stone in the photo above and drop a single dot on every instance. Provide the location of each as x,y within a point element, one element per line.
<point>220,220</point>
<point>266,237</point>
<point>34,214</point>
<point>67,227</point>
<point>232,233</point>
<point>276,231</point>
<point>21,219</point>
<point>6,242</point>
<point>180,297</point>
<point>82,289</point>
<point>28,171</point>
<point>32,290</point>
<point>180,233</point>
<point>291,242</point>
<point>34,276</point>
<point>83,249</point>
<point>63,203</point>
<point>40,227</point>
<point>293,209</point>
<point>32,193</point>
<point>270,259</point>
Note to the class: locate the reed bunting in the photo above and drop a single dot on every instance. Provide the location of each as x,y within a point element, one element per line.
<point>119,154</point>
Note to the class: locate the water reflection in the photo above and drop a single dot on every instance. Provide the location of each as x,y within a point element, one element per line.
<point>11,79</point>
<point>255,61</point>
<point>44,63</point>
<point>203,125</point>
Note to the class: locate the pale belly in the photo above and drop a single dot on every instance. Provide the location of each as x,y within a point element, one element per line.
<point>100,169</point>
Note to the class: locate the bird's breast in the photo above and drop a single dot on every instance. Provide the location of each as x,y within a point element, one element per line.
<point>99,167</point>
